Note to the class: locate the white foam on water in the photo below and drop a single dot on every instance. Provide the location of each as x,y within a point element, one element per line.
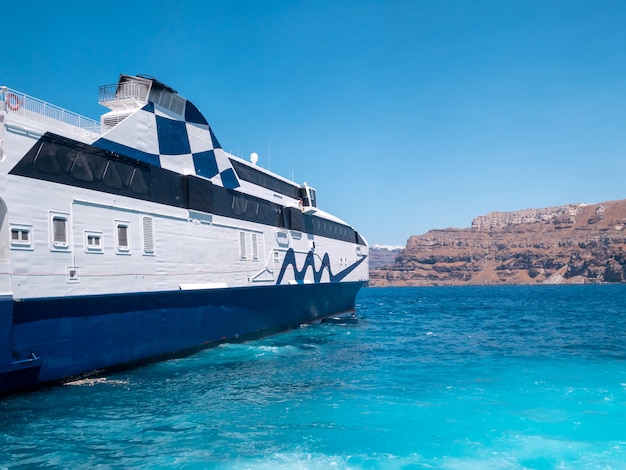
<point>90,382</point>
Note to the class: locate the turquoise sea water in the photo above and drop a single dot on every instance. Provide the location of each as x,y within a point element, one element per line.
<point>463,378</point>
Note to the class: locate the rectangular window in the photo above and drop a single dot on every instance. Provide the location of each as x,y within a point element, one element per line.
<point>93,242</point>
<point>243,252</point>
<point>312,197</point>
<point>255,247</point>
<point>122,231</point>
<point>21,237</point>
<point>59,225</point>
<point>59,231</point>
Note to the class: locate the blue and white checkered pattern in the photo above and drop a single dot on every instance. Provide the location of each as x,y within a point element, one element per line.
<point>160,137</point>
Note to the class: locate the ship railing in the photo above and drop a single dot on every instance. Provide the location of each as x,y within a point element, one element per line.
<point>116,91</point>
<point>21,104</point>
<point>124,95</point>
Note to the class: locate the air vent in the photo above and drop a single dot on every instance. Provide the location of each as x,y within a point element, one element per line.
<point>148,236</point>
<point>110,121</point>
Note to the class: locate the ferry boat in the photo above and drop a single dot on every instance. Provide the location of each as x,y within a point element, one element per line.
<point>137,237</point>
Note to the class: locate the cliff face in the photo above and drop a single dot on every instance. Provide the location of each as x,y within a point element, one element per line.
<point>576,243</point>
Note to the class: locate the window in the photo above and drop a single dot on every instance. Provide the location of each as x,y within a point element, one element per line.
<point>260,178</point>
<point>93,242</point>
<point>242,245</point>
<point>122,238</point>
<point>59,231</point>
<point>312,197</point>
<point>255,247</point>
<point>21,237</point>
<point>239,205</point>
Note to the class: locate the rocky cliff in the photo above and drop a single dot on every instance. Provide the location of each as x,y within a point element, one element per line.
<point>576,243</point>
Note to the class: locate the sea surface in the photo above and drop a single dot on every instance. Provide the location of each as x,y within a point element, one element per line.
<point>455,378</point>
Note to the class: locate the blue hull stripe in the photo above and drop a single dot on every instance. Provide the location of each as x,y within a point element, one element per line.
<point>29,310</point>
<point>57,338</point>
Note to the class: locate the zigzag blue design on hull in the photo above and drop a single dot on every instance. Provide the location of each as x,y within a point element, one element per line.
<point>299,274</point>
<point>49,339</point>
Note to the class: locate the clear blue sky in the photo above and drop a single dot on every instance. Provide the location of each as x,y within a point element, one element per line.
<point>405,115</point>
